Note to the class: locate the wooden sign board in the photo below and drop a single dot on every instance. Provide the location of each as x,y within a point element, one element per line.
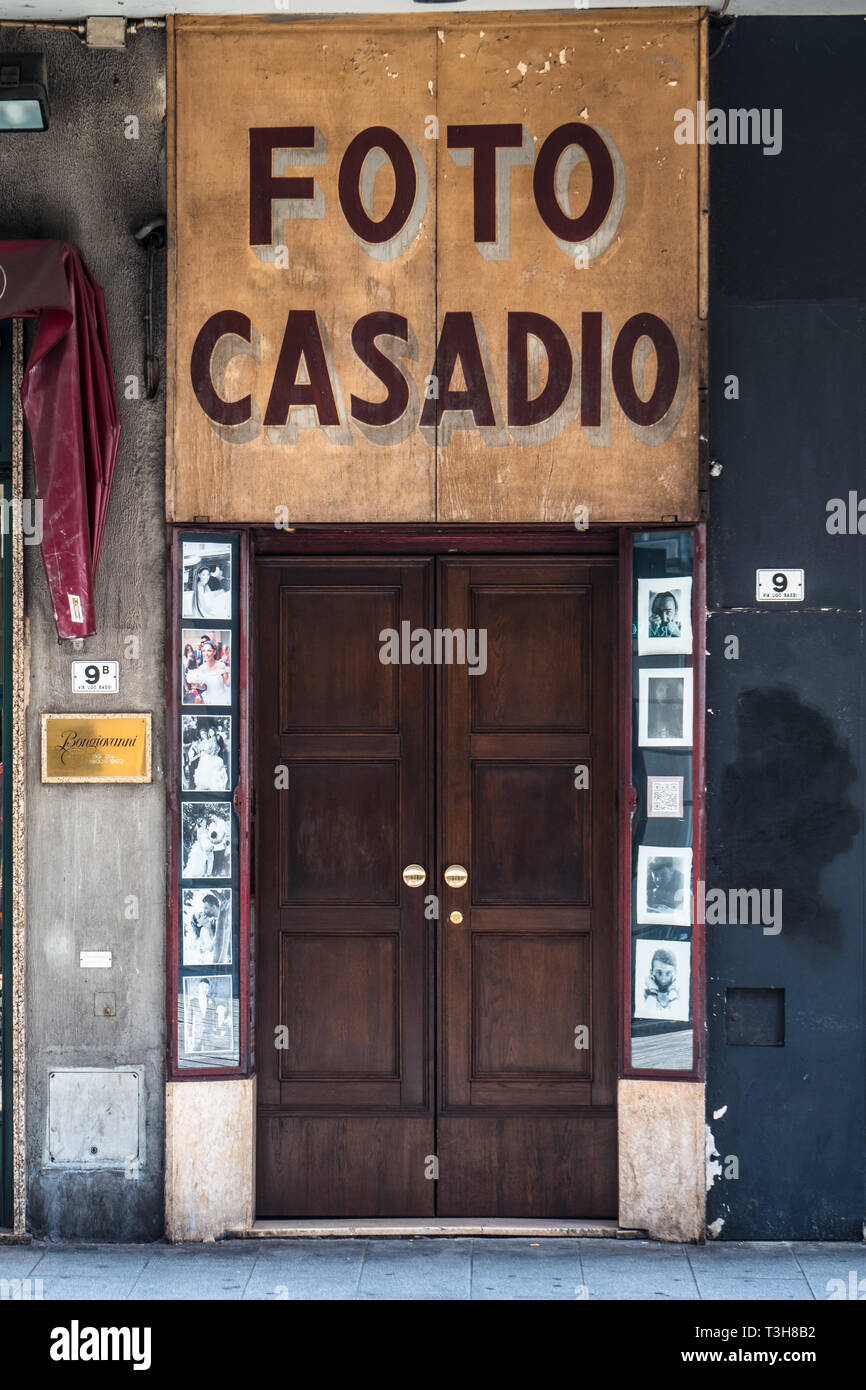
<point>96,748</point>
<point>435,269</point>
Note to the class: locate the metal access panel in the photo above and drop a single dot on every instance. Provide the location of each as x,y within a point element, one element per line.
<point>755,1017</point>
<point>95,1118</point>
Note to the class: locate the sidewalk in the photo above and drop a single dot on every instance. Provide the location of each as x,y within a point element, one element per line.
<point>434,1269</point>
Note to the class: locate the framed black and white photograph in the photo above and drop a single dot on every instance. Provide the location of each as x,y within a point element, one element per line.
<point>206,832</point>
<point>664,881</point>
<point>207,926</point>
<point>665,707</point>
<point>206,749</point>
<point>664,798</point>
<point>664,617</point>
<point>662,979</point>
<point>208,1016</point>
<point>206,666</point>
<point>207,580</point>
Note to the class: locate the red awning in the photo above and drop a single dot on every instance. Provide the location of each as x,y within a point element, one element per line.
<point>70,407</point>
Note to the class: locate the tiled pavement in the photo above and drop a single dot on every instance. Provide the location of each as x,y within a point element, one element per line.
<point>434,1269</point>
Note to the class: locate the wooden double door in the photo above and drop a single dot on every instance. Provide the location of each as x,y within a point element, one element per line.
<point>433,1049</point>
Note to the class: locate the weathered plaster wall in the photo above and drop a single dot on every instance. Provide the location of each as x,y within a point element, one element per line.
<point>89,849</point>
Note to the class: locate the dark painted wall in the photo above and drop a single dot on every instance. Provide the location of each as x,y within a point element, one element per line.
<point>785,728</point>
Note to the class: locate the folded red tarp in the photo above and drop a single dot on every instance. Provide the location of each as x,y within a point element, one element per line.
<point>70,407</point>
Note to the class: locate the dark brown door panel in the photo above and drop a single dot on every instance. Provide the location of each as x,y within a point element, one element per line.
<point>344,959</point>
<point>527,1001</point>
<point>514,1088</point>
<point>552,1166</point>
<point>347,1166</point>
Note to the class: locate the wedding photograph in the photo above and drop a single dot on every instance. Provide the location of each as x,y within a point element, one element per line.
<point>208,1025</point>
<point>205,752</point>
<point>206,677</point>
<point>207,926</point>
<point>207,580</point>
<point>206,833</point>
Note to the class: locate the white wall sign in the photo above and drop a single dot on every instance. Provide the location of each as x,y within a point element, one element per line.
<point>95,677</point>
<point>780,586</point>
<point>94,960</point>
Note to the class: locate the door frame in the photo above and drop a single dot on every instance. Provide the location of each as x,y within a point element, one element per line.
<point>437,538</point>
<point>314,541</point>
<point>525,539</point>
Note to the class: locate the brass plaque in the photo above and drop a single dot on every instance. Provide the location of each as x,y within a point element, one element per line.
<point>414,875</point>
<point>96,748</point>
<point>455,876</point>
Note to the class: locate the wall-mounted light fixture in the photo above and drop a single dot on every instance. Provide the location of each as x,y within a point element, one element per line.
<point>23,92</point>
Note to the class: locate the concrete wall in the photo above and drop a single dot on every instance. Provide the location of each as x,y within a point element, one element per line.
<point>89,848</point>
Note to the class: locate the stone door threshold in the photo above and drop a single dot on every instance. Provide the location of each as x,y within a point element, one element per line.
<point>433,1226</point>
<point>10,1237</point>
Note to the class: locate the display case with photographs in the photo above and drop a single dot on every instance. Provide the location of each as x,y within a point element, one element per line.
<point>207,989</point>
<point>662,1034</point>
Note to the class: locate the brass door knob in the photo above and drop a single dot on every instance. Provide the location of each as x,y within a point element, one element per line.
<point>414,875</point>
<point>456,876</point>
<point>456,918</point>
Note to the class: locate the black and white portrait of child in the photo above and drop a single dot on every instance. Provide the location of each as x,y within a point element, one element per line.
<point>661,982</point>
<point>661,973</point>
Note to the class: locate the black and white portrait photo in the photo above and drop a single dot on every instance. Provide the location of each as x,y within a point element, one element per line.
<point>664,880</point>
<point>665,707</point>
<point>208,1023</point>
<point>664,616</point>
<point>207,839</point>
<point>207,926</point>
<point>206,666</point>
<point>662,978</point>
<point>205,752</point>
<point>207,580</point>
